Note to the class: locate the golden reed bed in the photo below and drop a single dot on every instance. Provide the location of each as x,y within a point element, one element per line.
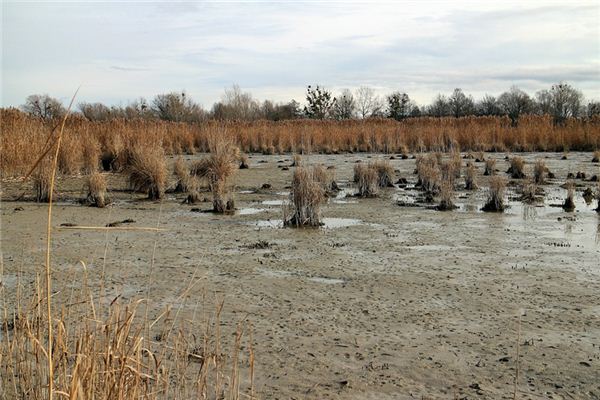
<point>23,137</point>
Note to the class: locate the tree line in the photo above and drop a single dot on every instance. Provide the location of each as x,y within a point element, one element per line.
<point>561,101</point>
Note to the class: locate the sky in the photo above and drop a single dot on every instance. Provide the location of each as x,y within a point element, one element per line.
<point>119,51</point>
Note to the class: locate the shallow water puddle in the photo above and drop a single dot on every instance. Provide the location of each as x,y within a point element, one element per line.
<point>275,273</point>
<point>274,202</point>
<point>250,211</point>
<point>328,223</point>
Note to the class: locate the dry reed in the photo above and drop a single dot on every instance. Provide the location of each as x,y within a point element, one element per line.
<point>490,167</point>
<point>148,171</point>
<point>539,172</point>
<point>21,133</point>
<point>517,167</point>
<point>96,188</point>
<point>306,197</point>
<point>569,203</point>
<point>470,177</point>
<point>367,180</point>
<point>495,195</point>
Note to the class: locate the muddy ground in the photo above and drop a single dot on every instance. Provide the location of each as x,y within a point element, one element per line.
<point>384,302</point>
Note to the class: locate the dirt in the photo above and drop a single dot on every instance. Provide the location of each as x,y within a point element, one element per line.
<point>383,302</point>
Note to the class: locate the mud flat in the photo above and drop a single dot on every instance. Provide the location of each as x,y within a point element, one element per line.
<point>383,302</point>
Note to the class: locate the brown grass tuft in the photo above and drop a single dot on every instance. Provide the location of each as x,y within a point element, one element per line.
<point>495,195</point>
<point>42,177</point>
<point>490,167</point>
<point>367,180</point>
<point>182,174</point>
<point>516,169</point>
<point>539,172</point>
<point>470,177</point>
<point>529,191</point>
<point>428,173</point>
<point>148,171</point>
<point>385,173</point>
<point>221,166</point>
<point>306,197</point>
<point>91,155</point>
<point>446,196</point>
<point>569,204</point>
<point>244,163</point>
<point>96,188</point>
<point>596,156</point>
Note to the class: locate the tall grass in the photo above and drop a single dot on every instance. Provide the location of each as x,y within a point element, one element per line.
<point>91,350</point>
<point>306,196</point>
<point>495,195</point>
<point>147,170</point>
<point>21,134</point>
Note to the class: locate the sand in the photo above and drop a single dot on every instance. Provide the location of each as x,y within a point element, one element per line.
<point>384,302</point>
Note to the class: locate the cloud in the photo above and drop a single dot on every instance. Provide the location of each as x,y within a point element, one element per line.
<point>120,51</point>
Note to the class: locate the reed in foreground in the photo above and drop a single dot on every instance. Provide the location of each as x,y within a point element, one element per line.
<point>306,197</point>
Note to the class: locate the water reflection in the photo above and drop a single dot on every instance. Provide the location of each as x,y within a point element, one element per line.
<point>529,212</point>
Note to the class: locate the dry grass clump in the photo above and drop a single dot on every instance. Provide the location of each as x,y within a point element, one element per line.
<point>148,171</point>
<point>306,197</point>
<point>495,195</point>
<point>219,168</point>
<point>446,196</point>
<point>367,180</point>
<point>517,167</point>
<point>244,163</point>
<point>456,162</point>
<point>569,204</point>
<point>96,188</point>
<point>184,179</point>
<point>69,155</point>
<point>529,191</point>
<point>490,167</point>
<point>385,173</point>
<point>539,172</point>
<point>297,160</point>
<point>598,198</point>
<point>428,173</point>
<point>42,177</point>
<point>596,156</point>
<point>111,351</point>
<point>326,177</point>
<point>91,154</point>
<point>470,177</point>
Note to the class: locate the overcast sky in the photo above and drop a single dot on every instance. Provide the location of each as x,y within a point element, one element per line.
<point>118,51</point>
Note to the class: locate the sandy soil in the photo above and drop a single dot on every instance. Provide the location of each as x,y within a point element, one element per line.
<point>386,302</point>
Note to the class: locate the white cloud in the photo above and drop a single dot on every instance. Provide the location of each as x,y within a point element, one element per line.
<point>119,51</point>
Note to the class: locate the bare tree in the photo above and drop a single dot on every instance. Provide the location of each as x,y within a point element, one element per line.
<point>562,101</point>
<point>176,107</point>
<point>236,105</point>
<point>95,111</point>
<point>439,107</point>
<point>43,106</point>
<point>460,104</point>
<point>345,105</point>
<point>368,104</point>
<point>488,105</point>
<point>515,103</point>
